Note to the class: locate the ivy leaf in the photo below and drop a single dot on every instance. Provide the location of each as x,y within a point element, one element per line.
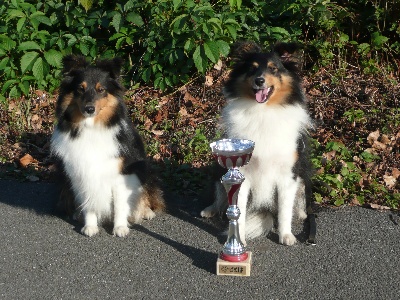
<point>27,60</point>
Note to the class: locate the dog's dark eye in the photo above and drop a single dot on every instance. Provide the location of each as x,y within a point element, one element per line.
<point>273,69</point>
<point>81,89</point>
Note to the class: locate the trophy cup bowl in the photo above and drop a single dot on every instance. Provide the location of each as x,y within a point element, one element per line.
<point>233,154</point>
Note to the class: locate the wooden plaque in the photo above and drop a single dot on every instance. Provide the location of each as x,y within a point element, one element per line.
<point>241,268</point>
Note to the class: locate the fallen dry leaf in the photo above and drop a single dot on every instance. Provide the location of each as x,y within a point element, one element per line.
<point>209,81</point>
<point>329,155</point>
<point>377,206</point>
<point>183,112</point>
<point>385,139</point>
<point>396,173</point>
<point>390,181</point>
<point>218,65</point>
<point>158,132</point>
<point>26,160</point>
<point>373,136</point>
<point>378,145</point>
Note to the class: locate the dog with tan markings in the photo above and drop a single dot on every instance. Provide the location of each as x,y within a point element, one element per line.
<point>100,153</point>
<point>266,104</point>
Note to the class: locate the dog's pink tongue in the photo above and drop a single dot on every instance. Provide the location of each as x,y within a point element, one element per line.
<point>261,95</point>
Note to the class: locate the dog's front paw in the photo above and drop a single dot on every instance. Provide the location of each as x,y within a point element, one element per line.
<point>287,239</point>
<point>121,231</point>
<point>148,214</point>
<point>89,230</point>
<point>208,212</point>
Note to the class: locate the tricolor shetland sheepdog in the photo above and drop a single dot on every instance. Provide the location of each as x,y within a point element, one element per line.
<point>266,104</point>
<point>100,153</point>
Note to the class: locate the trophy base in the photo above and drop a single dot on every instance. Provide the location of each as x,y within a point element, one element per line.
<point>240,268</point>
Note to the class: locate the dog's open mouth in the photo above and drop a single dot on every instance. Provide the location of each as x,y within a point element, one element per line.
<point>262,95</point>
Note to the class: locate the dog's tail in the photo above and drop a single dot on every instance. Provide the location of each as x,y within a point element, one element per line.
<point>153,197</point>
<point>258,223</point>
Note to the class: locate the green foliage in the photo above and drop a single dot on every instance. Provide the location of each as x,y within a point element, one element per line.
<point>165,43</point>
<point>340,176</point>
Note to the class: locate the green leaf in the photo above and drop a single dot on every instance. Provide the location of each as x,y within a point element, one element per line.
<point>7,84</point>
<point>378,40</point>
<point>84,48</point>
<point>212,51</point>
<point>27,61</point>
<point>223,47</point>
<point>29,45</point>
<point>20,24</point>
<point>87,4</point>
<point>146,74</point>
<point>200,59</point>
<point>14,13</point>
<point>216,22</point>
<point>24,87</point>
<point>53,58</point>
<point>4,62</point>
<point>339,202</point>
<point>179,22</point>
<point>116,36</point>
<point>135,19</point>
<point>119,42</point>
<point>39,17</point>
<point>189,45</point>
<point>38,69</point>
<point>129,5</point>
<point>14,92</point>
<point>7,43</point>
<point>71,39</point>
<point>117,21</point>
<point>232,31</point>
<point>177,4</point>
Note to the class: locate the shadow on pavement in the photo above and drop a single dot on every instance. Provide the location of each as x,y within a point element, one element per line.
<point>201,259</point>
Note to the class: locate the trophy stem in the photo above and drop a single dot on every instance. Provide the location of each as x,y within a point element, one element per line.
<point>233,249</point>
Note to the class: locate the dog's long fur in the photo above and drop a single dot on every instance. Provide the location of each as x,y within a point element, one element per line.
<point>266,104</point>
<point>101,154</point>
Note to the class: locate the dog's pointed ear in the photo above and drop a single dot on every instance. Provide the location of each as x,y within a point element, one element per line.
<point>241,49</point>
<point>73,62</point>
<point>113,66</point>
<point>289,53</point>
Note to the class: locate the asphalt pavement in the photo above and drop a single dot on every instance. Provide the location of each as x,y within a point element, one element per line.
<point>173,256</point>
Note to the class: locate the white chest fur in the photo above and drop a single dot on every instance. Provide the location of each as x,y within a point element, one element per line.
<point>275,131</point>
<point>90,161</point>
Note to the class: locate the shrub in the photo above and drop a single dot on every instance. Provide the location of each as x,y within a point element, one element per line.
<point>165,43</point>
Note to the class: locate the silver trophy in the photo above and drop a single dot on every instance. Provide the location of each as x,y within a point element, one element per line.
<point>233,154</point>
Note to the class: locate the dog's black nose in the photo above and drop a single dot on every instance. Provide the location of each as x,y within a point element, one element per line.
<point>259,81</point>
<point>89,109</point>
